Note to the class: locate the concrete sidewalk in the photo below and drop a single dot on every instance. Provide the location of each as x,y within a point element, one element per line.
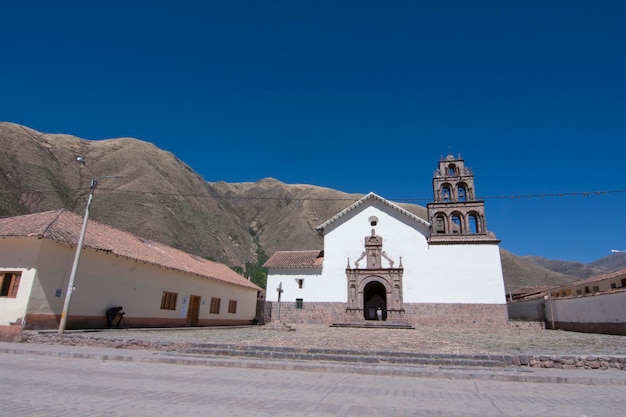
<point>513,374</point>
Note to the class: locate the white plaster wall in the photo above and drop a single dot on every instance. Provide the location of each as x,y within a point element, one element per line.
<point>345,239</point>
<point>54,263</point>
<point>312,290</point>
<point>18,255</point>
<point>432,274</point>
<point>13,309</point>
<point>138,287</point>
<point>104,280</point>
<point>466,274</point>
<point>601,308</point>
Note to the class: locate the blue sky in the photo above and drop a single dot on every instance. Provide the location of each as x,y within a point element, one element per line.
<point>357,96</point>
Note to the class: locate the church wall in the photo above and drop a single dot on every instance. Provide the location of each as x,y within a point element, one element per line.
<point>432,273</point>
<point>455,274</point>
<point>417,314</point>
<point>310,313</point>
<point>402,238</point>
<point>442,284</point>
<point>313,288</point>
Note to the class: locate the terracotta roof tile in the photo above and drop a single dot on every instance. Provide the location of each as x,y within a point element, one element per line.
<point>296,259</point>
<point>64,226</point>
<point>596,278</point>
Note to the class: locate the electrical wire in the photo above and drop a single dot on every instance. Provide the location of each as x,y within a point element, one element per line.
<point>404,200</point>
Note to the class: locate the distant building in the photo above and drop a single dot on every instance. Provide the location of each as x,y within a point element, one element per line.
<point>598,284</point>
<point>158,286</point>
<point>437,271</point>
<point>591,305</point>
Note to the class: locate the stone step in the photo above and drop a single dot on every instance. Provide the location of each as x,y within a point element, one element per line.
<point>375,325</point>
<point>349,356</point>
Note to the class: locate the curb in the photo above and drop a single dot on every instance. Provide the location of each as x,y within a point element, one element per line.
<point>511,374</point>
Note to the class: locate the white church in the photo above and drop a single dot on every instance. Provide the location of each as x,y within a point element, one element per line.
<point>384,266</point>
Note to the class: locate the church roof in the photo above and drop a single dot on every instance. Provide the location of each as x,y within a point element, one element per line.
<point>373,197</point>
<point>64,227</point>
<point>295,259</point>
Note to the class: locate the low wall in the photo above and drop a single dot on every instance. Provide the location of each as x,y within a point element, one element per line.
<point>529,310</point>
<point>417,314</point>
<point>10,333</point>
<point>597,313</point>
<point>527,361</point>
<point>50,321</point>
<point>592,313</point>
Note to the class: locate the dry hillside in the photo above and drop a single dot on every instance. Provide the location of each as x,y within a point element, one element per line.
<point>161,198</point>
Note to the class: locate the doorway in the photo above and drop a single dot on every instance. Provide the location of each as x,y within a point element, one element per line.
<point>374,297</point>
<point>194,310</point>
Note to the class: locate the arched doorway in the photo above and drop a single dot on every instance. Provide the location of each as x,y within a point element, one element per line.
<point>374,296</point>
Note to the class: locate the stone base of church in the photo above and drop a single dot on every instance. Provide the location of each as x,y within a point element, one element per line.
<point>435,314</point>
<point>415,314</point>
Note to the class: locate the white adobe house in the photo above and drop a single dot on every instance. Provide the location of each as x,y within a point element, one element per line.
<point>437,271</point>
<point>157,285</point>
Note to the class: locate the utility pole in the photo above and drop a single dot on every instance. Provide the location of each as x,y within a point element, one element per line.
<point>79,247</point>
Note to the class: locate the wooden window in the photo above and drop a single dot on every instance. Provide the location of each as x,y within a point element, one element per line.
<point>168,300</point>
<point>215,305</point>
<point>10,283</point>
<point>299,303</point>
<point>232,306</point>
<point>300,283</point>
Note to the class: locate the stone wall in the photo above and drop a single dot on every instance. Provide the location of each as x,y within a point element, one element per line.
<point>568,361</point>
<point>423,314</point>
<point>457,314</point>
<point>311,313</point>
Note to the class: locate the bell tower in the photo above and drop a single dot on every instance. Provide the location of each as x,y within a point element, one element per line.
<point>456,216</point>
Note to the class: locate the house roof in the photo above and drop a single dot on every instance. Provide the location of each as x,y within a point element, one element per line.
<point>64,227</point>
<point>591,280</point>
<point>372,197</point>
<point>295,259</point>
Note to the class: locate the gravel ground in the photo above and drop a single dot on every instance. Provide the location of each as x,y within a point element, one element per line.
<point>518,340</point>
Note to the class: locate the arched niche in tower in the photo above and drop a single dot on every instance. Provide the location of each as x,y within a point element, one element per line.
<point>461,191</point>
<point>457,222</point>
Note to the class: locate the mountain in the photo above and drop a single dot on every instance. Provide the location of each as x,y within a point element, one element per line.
<point>577,269</point>
<point>157,197</point>
<point>519,272</point>
<point>151,193</point>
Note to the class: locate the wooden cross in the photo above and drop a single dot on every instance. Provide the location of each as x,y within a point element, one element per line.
<point>280,291</point>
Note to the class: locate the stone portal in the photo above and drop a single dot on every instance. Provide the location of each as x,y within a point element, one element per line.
<point>374,298</point>
<point>374,286</point>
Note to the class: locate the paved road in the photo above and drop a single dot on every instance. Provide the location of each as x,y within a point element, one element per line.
<point>35,385</point>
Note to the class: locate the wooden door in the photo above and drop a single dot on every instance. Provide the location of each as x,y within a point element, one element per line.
<point>194,310</point>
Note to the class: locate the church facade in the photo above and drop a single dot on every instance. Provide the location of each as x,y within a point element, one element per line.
<point>384,266</point>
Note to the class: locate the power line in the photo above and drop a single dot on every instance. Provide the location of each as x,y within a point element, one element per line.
<point>404,200</point>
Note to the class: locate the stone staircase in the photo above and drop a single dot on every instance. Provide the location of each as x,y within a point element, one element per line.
<point>375,325</point>
<point>345,356</point>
